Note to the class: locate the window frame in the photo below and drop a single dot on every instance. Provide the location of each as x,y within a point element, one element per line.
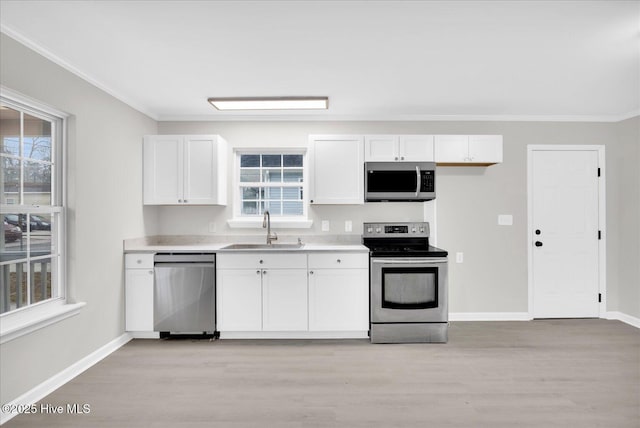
<point>26,319</point>
<point>277,221</point>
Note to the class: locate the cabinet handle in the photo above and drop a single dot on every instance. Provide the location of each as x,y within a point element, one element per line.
<point>264,272</point>
<point>396,158</point>
<point>179,201</point>
<point>150,272</point>
<point>139,261</point>
<point>258,271</point>
<point>185,201</point>
<point>311,201</point>
<point>402,158</point>
<point>261,261</point>
<point>310,272</point>
<point>339,261</point>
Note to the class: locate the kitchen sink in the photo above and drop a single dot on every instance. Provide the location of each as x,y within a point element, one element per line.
<point>262,247</point>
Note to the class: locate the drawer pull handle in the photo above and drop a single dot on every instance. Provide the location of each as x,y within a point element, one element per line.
<point>339,261</point>
<point>311,272</point>
<point>139,261</point>
<point>261,261</point>
<point>258,271</point>
<point>264,272</point>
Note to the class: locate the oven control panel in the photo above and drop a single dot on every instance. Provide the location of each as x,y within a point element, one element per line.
<point>396,230</point>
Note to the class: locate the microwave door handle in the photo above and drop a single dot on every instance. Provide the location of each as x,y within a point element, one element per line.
<point>417,180</point>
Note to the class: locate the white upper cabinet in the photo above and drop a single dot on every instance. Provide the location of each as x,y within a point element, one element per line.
<point>336,169</point>
<point>389,148</point>
<point>185,170</point>
<point>480,150</point>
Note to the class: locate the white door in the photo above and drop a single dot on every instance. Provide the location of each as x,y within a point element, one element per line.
<point>239,300</point>
<point>564,233</point>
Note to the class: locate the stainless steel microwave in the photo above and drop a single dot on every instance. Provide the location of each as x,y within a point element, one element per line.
<point>399,181</point>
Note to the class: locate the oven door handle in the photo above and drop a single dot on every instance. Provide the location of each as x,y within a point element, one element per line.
<point>417,180</point>
<point>409,261</point>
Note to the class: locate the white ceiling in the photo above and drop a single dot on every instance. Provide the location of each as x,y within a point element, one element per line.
<point>376,60</point>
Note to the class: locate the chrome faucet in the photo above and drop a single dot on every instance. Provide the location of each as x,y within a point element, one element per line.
<point>266,222</point>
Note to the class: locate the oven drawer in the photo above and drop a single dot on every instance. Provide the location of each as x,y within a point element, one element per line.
<point>332,260</point>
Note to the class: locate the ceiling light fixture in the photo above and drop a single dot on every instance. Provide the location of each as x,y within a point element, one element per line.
<point>270,103</point>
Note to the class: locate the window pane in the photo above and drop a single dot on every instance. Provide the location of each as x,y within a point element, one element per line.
<point>15,240</point>
<point>249,161</point>
<point>272,176</point>
<point>40,235</point>
<point>293,160</point>
<point>292,207</point>
<point>13,286</point>
<point>273,192</point>
<point>38,148</point>
<point>40,280</point>
<point>250,175</point>
<point>250,192</point>
<point>292,193</point>
<point>10,181</point>
<point>250,208</point>
<point>292,176</point>
<point>37,183</point>
<point>10,131</point>
<point>274,207</point>
<point>271,160</point>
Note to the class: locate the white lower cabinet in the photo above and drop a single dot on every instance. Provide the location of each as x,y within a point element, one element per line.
<point>138,279</point>
<point>324,294</point>
<point>262,292</point>
<point>338,292</point>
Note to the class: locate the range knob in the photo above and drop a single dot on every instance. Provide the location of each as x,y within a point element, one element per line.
<point>378,230</point>
<point>369,229</point>
<point>413,230</point>
<point>422,230</point>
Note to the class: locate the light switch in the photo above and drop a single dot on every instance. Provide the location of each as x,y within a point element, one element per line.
<point>348,226</point>
<point>459,257</point>
<point>325,225</point>
<point>505,220</point>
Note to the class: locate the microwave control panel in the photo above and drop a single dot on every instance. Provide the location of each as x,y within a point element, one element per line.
<point>428,181</point>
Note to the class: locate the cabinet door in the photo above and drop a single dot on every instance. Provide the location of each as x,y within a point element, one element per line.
<point>138,299</point>
<point>336,170</point>
<point>239,300</point>
<point>485,149</point>
<point>204,183</point>
<point>338,300</point>
<point>416,148</point>
<point>381,148</point>
<point>284,300</point>
<point>163,170</point>
<point>451,148</point>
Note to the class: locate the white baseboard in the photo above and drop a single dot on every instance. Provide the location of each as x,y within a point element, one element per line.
<point>627,319</point>
<point>489,316</point>
<point>294,334</point>
<point>48,386</point>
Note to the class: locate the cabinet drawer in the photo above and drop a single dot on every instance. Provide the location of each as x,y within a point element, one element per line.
<point>331,260</point>
<point>138,261</point>
<point>262,260</point>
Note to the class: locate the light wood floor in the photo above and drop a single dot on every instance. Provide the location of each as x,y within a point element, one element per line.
<point>551,373</point>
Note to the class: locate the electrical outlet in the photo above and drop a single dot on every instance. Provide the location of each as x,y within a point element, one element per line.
<point>459,257</point>
<point>505,220</point>
<point>348,226</point>
<point>325,225</point>
<point>212,227</point>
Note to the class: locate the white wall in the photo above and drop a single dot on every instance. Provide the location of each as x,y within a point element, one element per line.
<point>493,277</point>
<point>104,207</point>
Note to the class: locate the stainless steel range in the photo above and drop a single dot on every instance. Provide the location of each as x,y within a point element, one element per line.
<point>408,282</point>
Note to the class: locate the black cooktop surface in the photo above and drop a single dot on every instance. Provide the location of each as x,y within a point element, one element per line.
<point>406,251</point>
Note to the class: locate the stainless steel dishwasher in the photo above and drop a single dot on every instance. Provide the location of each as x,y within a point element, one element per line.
<point>184,294</point>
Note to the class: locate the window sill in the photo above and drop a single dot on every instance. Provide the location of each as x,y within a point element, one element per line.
<point>14,325</point>
<point>279,223</point>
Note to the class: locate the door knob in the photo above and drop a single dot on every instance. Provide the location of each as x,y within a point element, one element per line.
<point>538,232</point>
<point>538,244</point>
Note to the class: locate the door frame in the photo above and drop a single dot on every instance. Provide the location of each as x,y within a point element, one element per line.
<point>602,220</point>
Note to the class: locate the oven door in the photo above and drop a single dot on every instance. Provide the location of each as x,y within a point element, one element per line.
<point>408,290</point>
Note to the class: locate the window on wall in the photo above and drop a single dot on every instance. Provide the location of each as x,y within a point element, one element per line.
<point>31,205</point>
<point>271,182</point>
